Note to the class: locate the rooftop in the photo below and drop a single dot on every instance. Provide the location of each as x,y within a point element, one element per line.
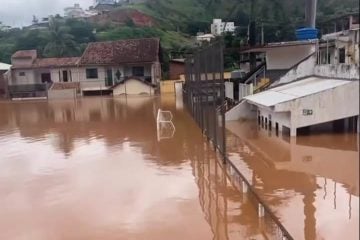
<point>4,66</point>
<point>123,51</point>
<point>294,90</point>
<point>25,54</point>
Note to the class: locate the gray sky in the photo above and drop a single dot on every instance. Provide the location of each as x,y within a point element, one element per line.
<point>19,12</point>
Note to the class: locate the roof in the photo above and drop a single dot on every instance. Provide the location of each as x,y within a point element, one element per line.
<point>25,54</point>
<point>263,48</point>
<point>4,66</point>
<point>56,62</point>
<point>123,51</point>
<point>294,90</point>
<point>178,60</point>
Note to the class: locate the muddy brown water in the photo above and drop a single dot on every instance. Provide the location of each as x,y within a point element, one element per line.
<point>94,169</point>
<point>310,182</point>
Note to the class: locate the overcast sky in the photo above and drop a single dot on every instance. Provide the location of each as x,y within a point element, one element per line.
<point>19,12</point>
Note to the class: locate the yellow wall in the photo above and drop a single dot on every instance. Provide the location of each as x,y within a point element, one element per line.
<point>168,86</point>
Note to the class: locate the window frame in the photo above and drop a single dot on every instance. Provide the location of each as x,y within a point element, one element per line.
<point>138,68</point>
<point>92,73</point>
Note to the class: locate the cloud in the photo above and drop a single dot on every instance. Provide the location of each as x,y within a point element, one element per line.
<point>19,12</point>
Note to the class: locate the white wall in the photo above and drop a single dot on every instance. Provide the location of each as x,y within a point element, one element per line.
<point>133,87</point>
<point>333,104</point>
<point>287,56</point>
<point>304,69</point>
<point>241,111</point>
<point>282,118</point>
<point>29,77</point>
<point>345,71</point>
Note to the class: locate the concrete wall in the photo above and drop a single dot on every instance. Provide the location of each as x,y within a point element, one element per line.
<point>286,57</point>
<point>333,104</point>
<point>62,94</point>
<point>241,111</point>
<point>29,77</point>
<point>304,69</point>
<point>133,87</point>
<point>282,118</point>
<point>345,71</point>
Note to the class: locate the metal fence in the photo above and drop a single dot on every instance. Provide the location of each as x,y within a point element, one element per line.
<point>204,92</point>
<point>204,97</point>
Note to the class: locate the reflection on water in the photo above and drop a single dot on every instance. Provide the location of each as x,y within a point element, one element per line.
<point>311,182</point>
<point>93,169</point>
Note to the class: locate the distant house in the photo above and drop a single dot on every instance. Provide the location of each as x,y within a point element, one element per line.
<point>176,68</point>
<point>201,37</point>
<point>77,12</point>
<point>3,86</point>
<point>118,67</point>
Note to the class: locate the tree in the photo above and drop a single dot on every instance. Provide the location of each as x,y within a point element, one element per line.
<point>61,43</point>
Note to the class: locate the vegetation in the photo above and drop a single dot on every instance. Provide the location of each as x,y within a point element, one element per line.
<point>175,21</point>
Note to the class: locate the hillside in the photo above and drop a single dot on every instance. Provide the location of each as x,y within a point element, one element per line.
<point>173,21</point>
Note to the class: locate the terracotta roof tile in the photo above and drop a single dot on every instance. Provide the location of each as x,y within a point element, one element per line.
<point>56,62</point>
<point>123,51</point>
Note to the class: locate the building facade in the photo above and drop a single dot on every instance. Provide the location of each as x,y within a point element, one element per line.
<point>218,27</point>
<point>104,66</point>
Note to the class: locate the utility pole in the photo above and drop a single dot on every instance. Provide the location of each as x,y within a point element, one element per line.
<point>252,35</point>
<point>310,13</point>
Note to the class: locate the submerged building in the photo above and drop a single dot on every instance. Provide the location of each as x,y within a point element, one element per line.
<point>113,68</point>
<point>310,84</point>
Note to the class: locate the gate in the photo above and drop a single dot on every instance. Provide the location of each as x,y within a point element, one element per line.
<point>204,93</point>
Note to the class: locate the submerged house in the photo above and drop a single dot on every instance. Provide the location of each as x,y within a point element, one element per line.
<point>317,91</point>
<point>113,68</point>
<point>4,68</point>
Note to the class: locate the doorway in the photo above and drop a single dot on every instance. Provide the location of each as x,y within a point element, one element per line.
<point>109,77</point>
<point>46,78</point>
<point>65,76</point>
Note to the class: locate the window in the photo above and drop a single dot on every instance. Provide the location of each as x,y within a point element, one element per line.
<point>91,73</point>
<point>138,71</point>
<point>341,55</point>
<point>21,74</point>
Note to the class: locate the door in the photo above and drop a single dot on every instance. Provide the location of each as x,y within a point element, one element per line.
<point>109,77</point>
<point>65,76</point>
<point>46,78</point>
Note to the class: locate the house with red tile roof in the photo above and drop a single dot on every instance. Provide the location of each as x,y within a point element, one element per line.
<point>106,67</point>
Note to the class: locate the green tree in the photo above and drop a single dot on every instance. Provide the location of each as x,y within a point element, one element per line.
<point>61,42</point>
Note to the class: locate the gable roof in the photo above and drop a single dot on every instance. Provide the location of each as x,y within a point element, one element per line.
<point>294,90</point>
<point>123,51</point>
<point>56,62</point>
<point>25,54</point>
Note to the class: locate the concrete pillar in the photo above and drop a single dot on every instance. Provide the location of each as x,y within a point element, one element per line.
<point>293,132</point>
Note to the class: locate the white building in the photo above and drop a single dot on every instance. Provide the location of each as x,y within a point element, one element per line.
<point>218,27</point>
<point>121,67</point>
<point>320,87</point>
<point>201,37</point>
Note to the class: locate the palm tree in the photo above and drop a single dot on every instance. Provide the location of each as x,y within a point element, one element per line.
<point>61,43</point>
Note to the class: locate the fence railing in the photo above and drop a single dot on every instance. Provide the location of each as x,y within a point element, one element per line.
<point>204,92</point>
<point>204,97</point>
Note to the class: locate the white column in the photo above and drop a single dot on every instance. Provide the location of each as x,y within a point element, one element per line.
<point>293,132</point>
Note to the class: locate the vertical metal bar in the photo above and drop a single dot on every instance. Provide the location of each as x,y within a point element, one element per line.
<point>222,100</point>
<point>214,115</point>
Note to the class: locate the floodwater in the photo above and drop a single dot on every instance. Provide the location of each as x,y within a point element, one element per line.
<point>97,168</point>
<point>310,182</point>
